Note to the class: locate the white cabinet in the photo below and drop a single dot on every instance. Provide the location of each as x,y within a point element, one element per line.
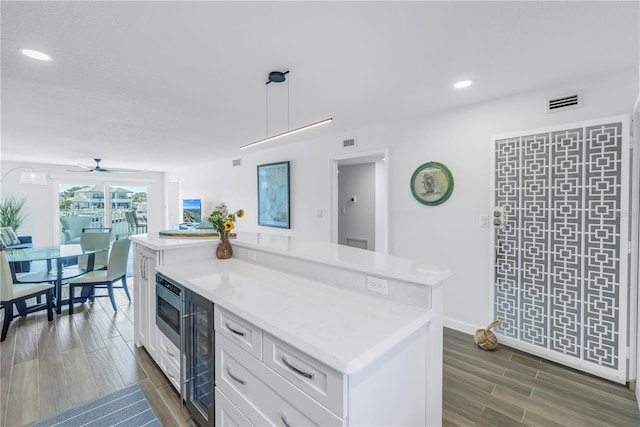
<point>285,386</point>
<point>169,359</point>
<point>317,380</point>
<point>262,396</point>
<point>145,261</point>
<point>227,415</point>
<point>146,332</point>
<point>239,331</point>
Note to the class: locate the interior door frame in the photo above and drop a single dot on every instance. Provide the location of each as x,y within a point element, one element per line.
<point>628,265</point>
<point>381,158</point>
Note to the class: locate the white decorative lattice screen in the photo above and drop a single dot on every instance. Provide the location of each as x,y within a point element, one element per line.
<point>561,257</point>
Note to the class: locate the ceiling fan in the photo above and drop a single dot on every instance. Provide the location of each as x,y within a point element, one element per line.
<point>98,168</point>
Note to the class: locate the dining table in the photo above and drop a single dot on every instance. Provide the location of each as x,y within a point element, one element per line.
<point>62,255</point>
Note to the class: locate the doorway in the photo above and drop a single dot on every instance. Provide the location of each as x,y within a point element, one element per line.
<point>561,244</point>
<point>86,204</point>
<point>359,209</point>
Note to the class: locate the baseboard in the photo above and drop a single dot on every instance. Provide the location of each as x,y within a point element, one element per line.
<point>459,326</point>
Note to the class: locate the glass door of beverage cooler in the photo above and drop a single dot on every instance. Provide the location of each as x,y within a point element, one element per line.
<point>199,386</point>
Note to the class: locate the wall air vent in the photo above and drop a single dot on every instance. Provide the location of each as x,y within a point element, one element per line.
<point>236,162</point>
<point>564,102</point>
<point>349,143</point>
<point>356,243</point>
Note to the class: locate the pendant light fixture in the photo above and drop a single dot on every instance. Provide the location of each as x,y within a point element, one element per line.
<point>279,77</point>
<point>29,178</point>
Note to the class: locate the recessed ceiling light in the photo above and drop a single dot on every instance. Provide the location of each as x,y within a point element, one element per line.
<point>463,83</point>
<point>35,54</point>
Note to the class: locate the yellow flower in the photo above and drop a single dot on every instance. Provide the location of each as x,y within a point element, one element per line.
<point>240,213</point>
<point>228,226</point>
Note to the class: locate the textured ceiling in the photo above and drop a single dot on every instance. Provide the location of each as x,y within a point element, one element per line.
<point>152,84</point>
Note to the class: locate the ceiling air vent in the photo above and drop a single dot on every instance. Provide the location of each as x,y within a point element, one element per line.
<point>349,143</point>
<point>564,102</point>
<point>235,162</point>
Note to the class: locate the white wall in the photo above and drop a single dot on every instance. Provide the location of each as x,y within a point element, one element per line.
<point>42,221</point>
<point>447,235</point>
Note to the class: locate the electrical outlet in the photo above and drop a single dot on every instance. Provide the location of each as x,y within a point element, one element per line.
<point>377,285</point>
<point>251,255</point>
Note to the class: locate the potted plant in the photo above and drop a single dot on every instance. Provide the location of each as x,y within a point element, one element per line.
<point>11,212</point>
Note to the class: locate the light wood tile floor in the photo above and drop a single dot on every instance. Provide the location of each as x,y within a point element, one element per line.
<point>48,367</point>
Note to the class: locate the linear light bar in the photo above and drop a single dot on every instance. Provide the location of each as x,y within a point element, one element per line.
<point>280,135</point>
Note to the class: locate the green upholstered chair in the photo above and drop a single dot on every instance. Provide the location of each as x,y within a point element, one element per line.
<point>18,293</point>
<point>104,279</point>
<point>95,239</point>
<point>72,228</point>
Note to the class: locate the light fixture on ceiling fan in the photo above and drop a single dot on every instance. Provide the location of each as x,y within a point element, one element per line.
<point>98,168</point>
<point>279,77</point>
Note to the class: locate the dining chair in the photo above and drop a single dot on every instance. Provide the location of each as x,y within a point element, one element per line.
<point>17,293</point>
<point>135,223</point>
<point>104,279</point>
<point>72,228</point>
<point>91,239</point>
<point>140,224</point>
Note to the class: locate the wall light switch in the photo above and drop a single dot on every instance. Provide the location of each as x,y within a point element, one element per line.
<point>484,221</point>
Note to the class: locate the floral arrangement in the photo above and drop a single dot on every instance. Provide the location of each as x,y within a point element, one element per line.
<point>223,221</point>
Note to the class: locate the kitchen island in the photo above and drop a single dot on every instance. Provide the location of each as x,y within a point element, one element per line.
<point>338,335</point>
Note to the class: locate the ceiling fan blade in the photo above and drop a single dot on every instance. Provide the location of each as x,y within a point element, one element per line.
<point>110,170</point>
<point>98,168</point>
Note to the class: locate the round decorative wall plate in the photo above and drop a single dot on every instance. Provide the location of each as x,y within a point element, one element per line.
<point>432,183</point>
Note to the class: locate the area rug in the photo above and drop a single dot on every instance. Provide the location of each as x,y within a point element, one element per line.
<point>126,407</point>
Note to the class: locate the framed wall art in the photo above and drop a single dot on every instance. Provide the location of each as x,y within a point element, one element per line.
<point>273,195</point>
<point>432,183</point>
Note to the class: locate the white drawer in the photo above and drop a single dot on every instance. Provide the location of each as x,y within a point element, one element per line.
<point>324,384</point>
<point>167,348</point>
<point>170,370</point>
<point>262,395</point>
<point>227,415</point>
<point>241,332</point>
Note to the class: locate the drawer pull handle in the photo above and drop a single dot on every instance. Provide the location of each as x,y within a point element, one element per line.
<point>283,417</point>
<point>233,377</point>
<point>170,376</point>
<point>296,370</point>
<point>169,353</point>
<point>235,331</point>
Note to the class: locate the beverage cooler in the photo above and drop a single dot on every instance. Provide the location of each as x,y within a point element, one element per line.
<point>198,387</point>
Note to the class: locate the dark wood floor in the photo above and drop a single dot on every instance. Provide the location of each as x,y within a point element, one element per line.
<point>48,367</point>
<point>506,387</point>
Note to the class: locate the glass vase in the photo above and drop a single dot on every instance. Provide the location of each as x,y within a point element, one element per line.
<point>224,249</point>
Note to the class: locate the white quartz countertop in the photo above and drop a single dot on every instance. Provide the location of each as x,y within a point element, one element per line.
<point>347,330</point>
<point>159,243</point>
<point>332,254</point>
